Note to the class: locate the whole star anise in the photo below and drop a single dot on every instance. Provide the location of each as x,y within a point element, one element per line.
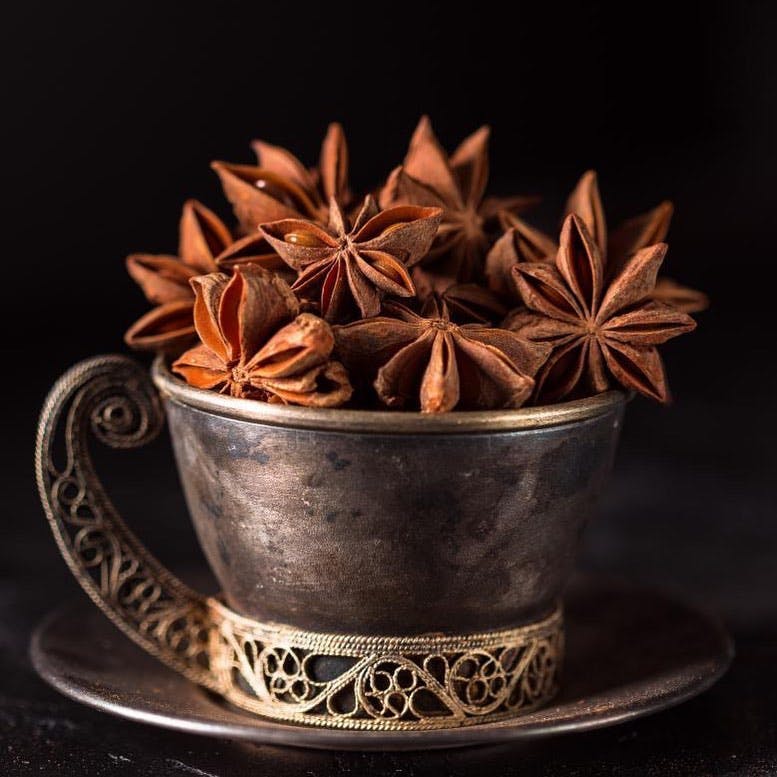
<point>281,187</point>
<point>523,243</point>
<point>256,344</point>
<point>601,331</point>
<point>428,176</point>
<point>519,243</point>
<point>254,250</point>
<point>354,266</point>
<point>468,303</point>
<point>429,360</point>
<point>165,280</point>
<point>641,231</point>
<point>637,232</point>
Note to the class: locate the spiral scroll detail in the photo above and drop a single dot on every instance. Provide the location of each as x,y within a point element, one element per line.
<point>112,399</point>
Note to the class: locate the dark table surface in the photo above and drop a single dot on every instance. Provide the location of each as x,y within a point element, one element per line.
<point>115,110</point>
<point>690,508</point>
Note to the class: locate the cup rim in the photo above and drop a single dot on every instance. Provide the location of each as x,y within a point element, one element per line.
<point>382,421</point>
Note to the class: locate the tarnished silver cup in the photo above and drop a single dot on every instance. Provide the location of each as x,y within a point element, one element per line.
<point>389,523</point>
<point>378,569</point>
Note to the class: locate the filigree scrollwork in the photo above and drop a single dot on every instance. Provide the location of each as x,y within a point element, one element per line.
<point>362,682</point>
<point>337,680</point>
<point>112,398</point>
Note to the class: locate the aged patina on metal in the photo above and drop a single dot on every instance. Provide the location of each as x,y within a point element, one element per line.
<point>395,530</point>
<point>382,571</point>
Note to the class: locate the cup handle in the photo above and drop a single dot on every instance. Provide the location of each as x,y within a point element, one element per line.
<point>112,399</point>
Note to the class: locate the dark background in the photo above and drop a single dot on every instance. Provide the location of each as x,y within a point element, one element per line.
<point>112,113</point>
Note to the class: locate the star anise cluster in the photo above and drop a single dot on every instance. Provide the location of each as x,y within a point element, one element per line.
<point>427,294</point>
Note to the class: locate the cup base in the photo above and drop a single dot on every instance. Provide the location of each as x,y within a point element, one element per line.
<point>362,682</point>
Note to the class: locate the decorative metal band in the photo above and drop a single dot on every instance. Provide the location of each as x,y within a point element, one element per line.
<point>342,681</point>
<point>364,682</point>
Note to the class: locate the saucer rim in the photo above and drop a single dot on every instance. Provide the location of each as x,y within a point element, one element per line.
<point>263,731</point>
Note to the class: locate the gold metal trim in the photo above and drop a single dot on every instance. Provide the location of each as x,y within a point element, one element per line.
<point>334,680</point>
<point>384,683</point>
<point>382,421</point>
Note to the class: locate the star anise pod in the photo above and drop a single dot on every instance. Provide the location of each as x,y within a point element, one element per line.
<point>429,360</point>
<point>165,280</point>
<point>281,187</point>
<point>256,344</point>
<point>601,331</point>
<point>428,176</point>
<point>254,250</point>
<point>520,243</point>
<point>638,232</point>
<point>523,243</point>
<point>641,231</point>
<point>468,303</point>
<point>684,298</point>
<point>355,266</point>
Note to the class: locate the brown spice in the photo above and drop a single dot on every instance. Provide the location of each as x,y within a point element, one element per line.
<point>589,313</point>
<point>468,303</point>
<point>352,267</point>
<point>256,344</point>
<point>523,243</point>
<point>165,280</point>
<point>281,187</point>
<point>601,332</point>
<point>429,361</point>
<point>456,184</point>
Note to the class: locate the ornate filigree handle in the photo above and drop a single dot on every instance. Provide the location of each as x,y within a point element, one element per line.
<point>113,399</point>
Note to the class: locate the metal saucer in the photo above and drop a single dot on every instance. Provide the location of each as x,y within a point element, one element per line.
<point>630,652</point>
